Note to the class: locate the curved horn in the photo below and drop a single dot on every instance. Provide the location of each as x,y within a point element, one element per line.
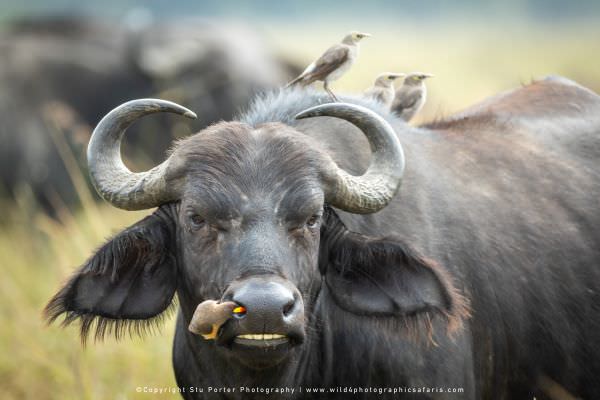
<point>373,190</point>
<point>111,178</point>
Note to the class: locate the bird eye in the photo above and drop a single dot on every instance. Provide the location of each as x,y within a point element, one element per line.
<point>197,221</point>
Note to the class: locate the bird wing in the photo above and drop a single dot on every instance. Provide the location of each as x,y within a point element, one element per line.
<point>406,100</point>
<point>379,95</point>
<point>301,76</point>
<point>332,59</point>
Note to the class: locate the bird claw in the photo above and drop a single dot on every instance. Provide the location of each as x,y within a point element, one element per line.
<point>213,334</point>
<point>332,96</point>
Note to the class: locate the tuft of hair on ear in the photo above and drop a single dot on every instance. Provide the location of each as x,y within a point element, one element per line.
<point>100,327</point>
<point>140,248</point>
<point>459,308</point>
<point>420,325</point>
<point>456,306</point>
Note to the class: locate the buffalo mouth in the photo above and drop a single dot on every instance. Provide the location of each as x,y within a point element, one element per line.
<point>264,341</point>
<point>259,350</point>
<point>261,340</point>
<point>261,353</point>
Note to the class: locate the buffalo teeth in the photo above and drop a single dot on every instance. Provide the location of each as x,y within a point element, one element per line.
<point>261,336</point>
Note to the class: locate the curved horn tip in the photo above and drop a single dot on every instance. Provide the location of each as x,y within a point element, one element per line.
<point>304,114</point>
<point>158,105</point>
<point>190,114</point>
<point>320,110</point>
<point>176,108</point>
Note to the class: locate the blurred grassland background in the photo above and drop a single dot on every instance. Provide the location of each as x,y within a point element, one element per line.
<point>473,51</point>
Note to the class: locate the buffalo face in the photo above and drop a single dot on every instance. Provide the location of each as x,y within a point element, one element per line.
<point>250,233</point>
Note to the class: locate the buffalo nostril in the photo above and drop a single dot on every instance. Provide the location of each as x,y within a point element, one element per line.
<point>288,307</point>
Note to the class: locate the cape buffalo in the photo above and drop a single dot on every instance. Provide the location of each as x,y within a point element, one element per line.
<point>473,273</point>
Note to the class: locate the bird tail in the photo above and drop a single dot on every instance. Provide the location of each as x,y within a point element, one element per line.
<point>294,81</point>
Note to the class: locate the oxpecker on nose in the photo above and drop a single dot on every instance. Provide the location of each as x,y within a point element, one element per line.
<point>210,315</point>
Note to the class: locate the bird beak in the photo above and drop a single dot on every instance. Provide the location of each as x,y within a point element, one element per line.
<point>364,35</point>
<point>425,76</point>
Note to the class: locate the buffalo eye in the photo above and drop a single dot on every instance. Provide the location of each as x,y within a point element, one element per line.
<point>314,221</point>
<point>197,222</point>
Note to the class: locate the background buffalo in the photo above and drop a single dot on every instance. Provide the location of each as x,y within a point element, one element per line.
<point>59,76</point>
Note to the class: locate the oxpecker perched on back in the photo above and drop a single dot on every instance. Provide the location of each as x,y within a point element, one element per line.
<point>332,64</point>
<point>411,96</point>
<point>383,88</point>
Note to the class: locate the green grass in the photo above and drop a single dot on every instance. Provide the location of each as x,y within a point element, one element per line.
<point>37,254</point>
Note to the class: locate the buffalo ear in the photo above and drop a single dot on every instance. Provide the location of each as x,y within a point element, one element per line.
<point>125,285</point>
<point>385,278</point>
